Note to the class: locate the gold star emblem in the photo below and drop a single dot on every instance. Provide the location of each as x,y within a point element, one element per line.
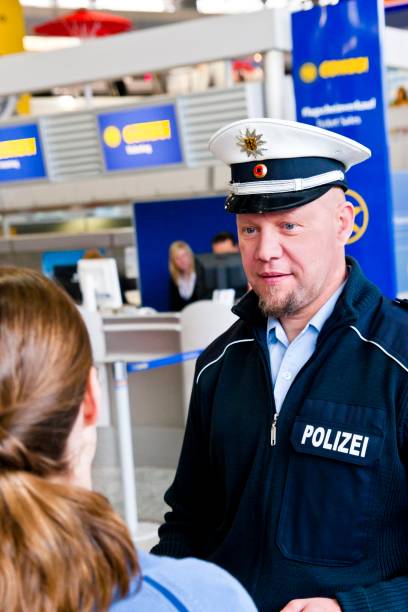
<point>251,143</point>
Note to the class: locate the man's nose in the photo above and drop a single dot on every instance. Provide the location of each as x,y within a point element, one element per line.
<point>269,246</point>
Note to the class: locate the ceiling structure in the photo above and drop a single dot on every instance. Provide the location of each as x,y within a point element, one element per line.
<point>142,19</point>
<point>150,13</point>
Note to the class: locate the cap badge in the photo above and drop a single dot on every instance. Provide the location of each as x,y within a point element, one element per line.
<point>251,143</point>
<point>259,171</point>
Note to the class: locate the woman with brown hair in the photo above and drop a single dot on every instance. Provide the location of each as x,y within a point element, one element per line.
<point>62,547</point>
<point>186,276</point>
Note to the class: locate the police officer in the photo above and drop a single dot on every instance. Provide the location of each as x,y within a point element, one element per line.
<point>292,474</point>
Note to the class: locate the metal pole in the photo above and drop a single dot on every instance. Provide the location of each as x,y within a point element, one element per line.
<point>120,379</point>
<point>229,79</point>
<point>88,95</point>
<point>274,67</point>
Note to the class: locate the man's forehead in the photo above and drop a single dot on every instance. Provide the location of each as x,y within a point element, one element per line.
<point>277,214</point>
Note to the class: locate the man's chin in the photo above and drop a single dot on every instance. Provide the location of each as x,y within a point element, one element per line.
<point>278,308</point>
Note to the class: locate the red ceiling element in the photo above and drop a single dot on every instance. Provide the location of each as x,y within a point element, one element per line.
<point>85,24</point>
<point>243,65</point>
<point>395,3</point>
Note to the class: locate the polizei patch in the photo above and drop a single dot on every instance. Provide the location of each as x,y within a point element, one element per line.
<point>337,442</point>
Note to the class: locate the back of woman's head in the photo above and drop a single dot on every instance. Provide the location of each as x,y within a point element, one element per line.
<point>46,359</point>
<point>61,547</point>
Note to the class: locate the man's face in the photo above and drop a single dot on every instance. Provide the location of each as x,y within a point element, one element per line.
<point>226,246</point>
<point>291,257</point>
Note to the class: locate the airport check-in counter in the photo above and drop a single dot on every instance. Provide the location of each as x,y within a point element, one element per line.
<point>141,419</point>
<point>144,412</point>
<point>155,395</point>
<point>158,397</point>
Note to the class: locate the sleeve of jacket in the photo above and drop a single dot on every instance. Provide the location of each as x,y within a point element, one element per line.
<point>388,595</point>
<point>187,526</point>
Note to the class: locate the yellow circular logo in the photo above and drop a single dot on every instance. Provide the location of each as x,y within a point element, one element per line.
<point>308,72</point>
<point>361,216</point>
<point>112,136</point>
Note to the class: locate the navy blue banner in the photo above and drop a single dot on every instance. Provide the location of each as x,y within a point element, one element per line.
<point>21,157</point>
<point>338,77</point>
<point>140,138</point>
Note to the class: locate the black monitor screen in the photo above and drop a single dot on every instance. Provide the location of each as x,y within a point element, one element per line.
<point>67,276</point>
<point>223,271</point>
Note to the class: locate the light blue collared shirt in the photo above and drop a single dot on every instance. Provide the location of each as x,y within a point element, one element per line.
<point>287,358</point>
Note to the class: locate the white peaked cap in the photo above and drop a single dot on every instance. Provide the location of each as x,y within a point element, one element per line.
<point>281,139</point>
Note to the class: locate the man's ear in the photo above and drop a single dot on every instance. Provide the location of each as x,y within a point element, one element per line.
<point>346,216</point>
<point>91,402</point>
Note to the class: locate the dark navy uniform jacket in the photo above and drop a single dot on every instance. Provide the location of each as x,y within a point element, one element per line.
<point>323,512</point>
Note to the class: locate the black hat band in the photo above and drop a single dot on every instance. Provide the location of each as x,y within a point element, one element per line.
<point>270,202</point>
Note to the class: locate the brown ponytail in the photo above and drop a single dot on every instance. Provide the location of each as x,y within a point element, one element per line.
<point>62,548</point>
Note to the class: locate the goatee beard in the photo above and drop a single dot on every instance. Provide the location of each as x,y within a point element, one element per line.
<point>271,307</point>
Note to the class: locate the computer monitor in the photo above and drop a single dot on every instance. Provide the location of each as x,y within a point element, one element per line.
<point>61,266</point>
<point>99,283</point>
<point>66,275</point>
<point>223,271</point>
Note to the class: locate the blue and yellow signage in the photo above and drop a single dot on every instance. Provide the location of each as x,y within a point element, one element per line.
<point>328,69</point>
<point>21,157</point>
<point>140,138</point>
<point>338,74</point>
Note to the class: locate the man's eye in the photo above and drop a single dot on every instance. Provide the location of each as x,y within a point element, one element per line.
<point>249,230</point>
<point>289,226</point>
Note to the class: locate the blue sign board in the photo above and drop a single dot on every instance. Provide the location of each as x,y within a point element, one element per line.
<point>21,157</point>
<point>140,138</point>
<point>338,78</point>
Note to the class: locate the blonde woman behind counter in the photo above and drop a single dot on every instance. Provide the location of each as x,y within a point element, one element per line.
<point>187,283</point>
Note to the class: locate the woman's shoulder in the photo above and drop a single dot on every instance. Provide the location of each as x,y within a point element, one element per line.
<point>187,585</point>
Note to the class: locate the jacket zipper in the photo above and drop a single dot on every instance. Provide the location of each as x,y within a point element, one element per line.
<point>264,360</point>
<point>273,429</point>
<point>275,416</point>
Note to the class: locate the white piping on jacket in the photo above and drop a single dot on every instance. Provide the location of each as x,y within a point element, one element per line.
<point>222,355</point>
<point>380,347</point>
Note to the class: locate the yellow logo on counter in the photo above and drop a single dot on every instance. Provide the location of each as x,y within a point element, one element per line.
<point>147,132</point>
<point>135,133</point>
<point>308,72</point>
<point>112,136</point>
<point>329,69</point>
<point>22,147</point>
<point>361,216</point>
